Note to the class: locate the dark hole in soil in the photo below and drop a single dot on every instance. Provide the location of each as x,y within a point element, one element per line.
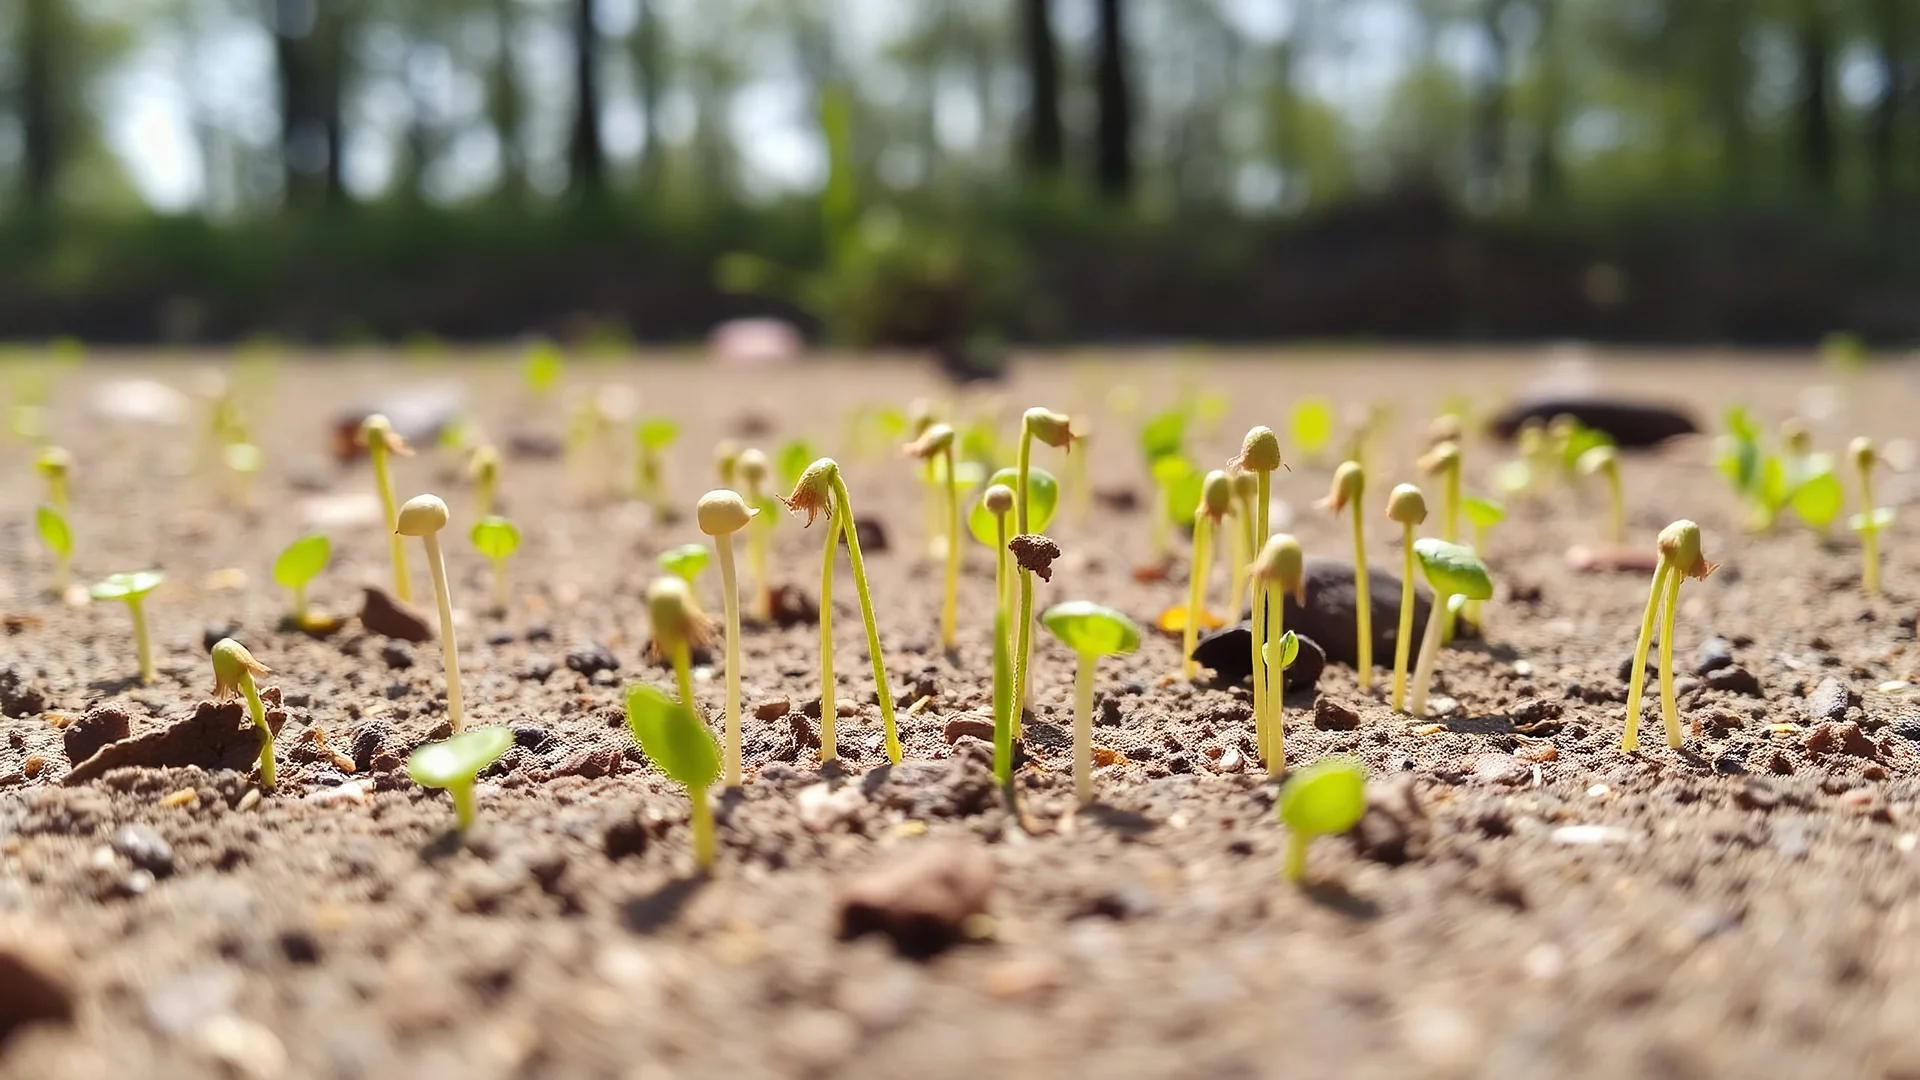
<point>655,911</point>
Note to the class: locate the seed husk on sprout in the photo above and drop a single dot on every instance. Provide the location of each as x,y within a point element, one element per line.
<point>1408,507</point>
<point>234,670</point>
<point>1259,455</point>
<point>381,441</point>
<point>1281,566</point>
<point>1680,557</point>
<point>424,516</point>
<point>720,514</point>
<point>1216,501</point>
<point>1349,488</point>
<point>1444,461</point>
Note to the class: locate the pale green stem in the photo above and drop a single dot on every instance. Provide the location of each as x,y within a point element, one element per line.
<point>300,605</point>
<point>757,562</point>
<point>483,499</point>
<point>730,602</point>
<point>1003,718</point>
<point>829,712</point>
<point>449,649</point>
<point>949,610</point>
<point>1296,867</point>
<point>1237,581</point>
<point>383,480</point>
<point>1276,749</point>
<point>1362,602</point>
<point>258,710</point>
<point>1636,682</point>
<point>1453,504</point>
<point>1429,656</point>
<point>1083,728</point>
<point>1196,593</point>
<point>142,643</point>
<point>1617,513</point>
<point>1669,710</point>
<point>500,584</point>
<point>1869,538</point>
<point>1024,643</point>
<point>57,493</point>
<point>845,511</point>
<point>681,656</point>
<point>702,822</point>
<point>1261,609</point>
<point>1404,644</point>
<point>462,804</point>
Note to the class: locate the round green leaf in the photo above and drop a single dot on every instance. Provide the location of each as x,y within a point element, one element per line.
<point>302,561</point>
<point>52,525</point>
<point>1819,499</point>
<point>541,369</point>
<point>685,561</point>
<point>495,537</point>
<point>794,457</point>
<point>126,586</point>
<point>1289,650</point>
<point>1324,798</point>
<point>656,434</point>
<point>670,735</point>
<point>1163,435</point>
<point>1181,485</point>
<point>1482,512</point>
<point>456,761</point>
<point>1043,499</point>
<point>1452,569</point>
<point>1090,629</point>
<point>1311,424</point>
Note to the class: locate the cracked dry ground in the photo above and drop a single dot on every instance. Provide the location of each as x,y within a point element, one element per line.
<point>1524,902</point>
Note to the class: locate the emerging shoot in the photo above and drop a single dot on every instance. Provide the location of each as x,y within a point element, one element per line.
<point>234,670</point>
<point>297,566</point>
<point>1680,557</point>
<point>1350,487</point>
<point>1871,519</point>
<point>998,501</point>
<point>1281,564</point>
<point>51,524</point>
<point>753,473</point>
<point>1452,570</point>
<point>484,469</point>
<point>1056,430</point>
<point>1444,461</point>
<point>651,438</point>
<point>675,740</point>
<point>935,444</point>
<point>377,435</point>
<point>1092,632</point>
<point>1259,455</point>
<point>720,514</point>
<point>1407,506</point>
<point>456,764</point>
<point>54,466</point>
<point>424,516</point>
<point>1216,501</point>
<point>678,628</point>
<point>132,589</point>
<point>1603,461</point>
<point>497,539</point>
<point>1324,799</point>
<point>1246,488</point>
<point>1042,501</point>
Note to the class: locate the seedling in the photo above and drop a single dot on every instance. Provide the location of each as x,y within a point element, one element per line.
<point>726,462</point>
<point>54,466</point>
<point>753,473</point>
<point>1259,455</point>
<point>1280,564</point>
<point>1056,431</point>
<point>132,589</point>
<point>297,566</point>
<point>820,488</point>
<point>244,461</point>
<point>1216,500</point>
<point>1042,502</point>
<point>1350,486</point>
<point>998,502</point>
<point>651,438</point>
<point>484,468</point>
<point>1871,519</point>
<point>497,539</point>
<point>51,524</point>
<point>1483,514</point>
<point>377,435</point>
<point>234,669</point>
<point>1452,570</point>
<point>679,627</point>
<point>685,562</point>
<point>1406,505</point>
<point>1443,461</point>
<point>1092,632</point>
<point>1246,488</point>
<point>675,740</point>
<point>540,370</point>
<point>1176,484</point>
<point>935,445</point>
<point>424,516</point>
<point>1680,557</point>
<point>1771,483</point>
<point>456,763</point>
<point>1162,439</point>
<point>720,514</point>
<point>1604,462</point>
<point>1515,477</point>
<point>1324,799</point>
<point>1311,426</point>
<point>795,456</point>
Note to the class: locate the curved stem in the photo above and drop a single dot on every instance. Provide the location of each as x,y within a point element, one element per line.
<point>829,712</point>
<point>1429,656</point>
<point>258,711</point>
<point>142,642</point>
<point>702,822</point>
<point>1196,594</point>
<point>1403,642</point>
<point>1636,682</point>
<point>1002,665</point>
<point>1669,710</point>
<point>1083,728</point>
<point>844,510</point>
<point>1362,602</point>
<point>949,610</point>
<point>383,480</point>
<point>449,650</point>
<point>730,602</point>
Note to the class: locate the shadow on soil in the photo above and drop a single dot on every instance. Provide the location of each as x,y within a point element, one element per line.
<point>654,911</point>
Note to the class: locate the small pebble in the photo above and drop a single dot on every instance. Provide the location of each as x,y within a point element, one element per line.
<point>1714,653</point>
<point>1590,835</point>
<point>979,727</point>
<point>1735,680</point>
<point>1332,714</point>
<point>396,655</point>
<point>591,659</point>
<point>145,849</point>
<point>769,711</point>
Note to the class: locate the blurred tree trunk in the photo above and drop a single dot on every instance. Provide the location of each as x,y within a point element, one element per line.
<point>1489,137</point>
<point>1889,30</point>
<point>1113,150</point>
<point>42,143</point>
<point>1814,42</point>
<point>303,135</point>
<point>506,110</point>
<point>1045,137</point>
<point>586,157</point>
<point>1545,178</point>
<point>649,59</point>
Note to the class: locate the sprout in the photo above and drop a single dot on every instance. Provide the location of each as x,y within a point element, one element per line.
<point>1041,503</point>
<point>497,539</point>
<point>685,562</point>
<point>1444,461</point>
<point>998,501</point>
<point>1259,455</point>
<point>51,524</point>
<point>820,488</point>
<point>1680,557</point>
<point>1091,631</point>
<point>1056,430</point>
<point>484,468</point>
<point>1164,435</point>
<point>1871,519</point>
<point>1216,501</point>
<point>1483,514</point>
<point>55,465</point>
<point>651,438</point>
<point>540,370</point>
<point>1603,461</point>
<point>1246,488</point>
<point>678,628</point>
<point>1406,505</point>
<point>675,740</point>
<point>234,669</point>
<point>297,566</point>
<point>795,456</point>
<point>1452,570</point>
<point>753,473</point>
<point>1323,799</point>
<point>935,444</point>
<point>720,514</point>
<point>244,462</point>
<point>726,462</point>
<point>1350,486</point>
<point>1280,563</point>
<point>1310,426</point>
<point>133,589</point>
<point>377,435</point>
<point>424,516</point>
<point>455,763</point>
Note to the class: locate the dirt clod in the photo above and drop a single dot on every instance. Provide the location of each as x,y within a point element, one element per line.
<point>1840,738</point>
<point>382,614</point>
<point>1395,828</point>
<point>1500,769</point>
<point>396,656</point>
<point>213,736</point>
<point>769,711</point>
<point>1332,714</point>
<point>18,695</point>
<point>921,901</point>
<point>1735,680</point>
<point>1035,553</point>
<point>35,981</point>
<point>145,849</point>
<point>1829,701</point>
<point>99,727</point>
<point>976,726</point>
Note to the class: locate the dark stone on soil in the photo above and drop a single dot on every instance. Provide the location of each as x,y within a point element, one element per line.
<point>500,637</point>
<point>1908,729</point>
<point>388,617</point>
<point>99,727</point>
<point>396,656</point>
<point>591,659</point>
<point>1735,680</point>
<point>1330,616</point>
<point>588,762</point>
<point>802,728</point>
<point>145,849</point>
<point>1714,653</point>
<point>529,736</point>
<point>871,534</point>
<point>978,727</point>
<point>1229,653</point>
<point>214,736</point>
<point>1633,424</point>
<point>36,980</point>
<point>299,946</point>
<point>534,446</point>
<point>18,696</point>
<point>212,633</point>
<point>1332,714</point>
<point>1121,500</point>
<point>369,739</point>
<point>1107,711</point>
<point>768,711</point>
<point>1395,828</point>
<point>1130,899</point>
<point>792,607</point>
<point>1841,738</point>
<point>922,901</point>
<point>538,669</point>
<point>624,838</point>
<point>1829,701</point>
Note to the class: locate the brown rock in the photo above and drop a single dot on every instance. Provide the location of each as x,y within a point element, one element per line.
<point>921,900</point>
<point>388,617</point>
<point>769,711</point>
<point>803,731</point>
<point>1395,829</point>
<point>1830,700</point>
<point>1841,738</point>
<point>1500,769</point>
<point>85,736</point>
<point>976,726</point>
<point>1035,553</point>
<point>214,736</point>
<point>36,983</point>
<point>1332,714</point>
<point>18,695</point>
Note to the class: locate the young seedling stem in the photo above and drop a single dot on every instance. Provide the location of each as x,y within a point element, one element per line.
<point>55,465</point>
<point>1350,487</point>
<point>1055,430</point>
<point>1091,631</point>
<point>1323,799</point>
<point>378,436</point>
<point>234,669</point>
<point>1260,455</point>
<point>1604,461</point>
<point>297,566</point>
<point>485,470</point>
<point>935,445</point>
<point>1407,506</point>
<point>720,514</point>
<point>674,738</point>
<point>132,589</point>
<point>424,516</point>
<point>1280,565</point>
<point>497,539</point>
<point>999,501</point>
<point>1680,557</point>
<point>1868,522</point>
<point>1246,488</point>
<point>753,473</point>
<point>1216,500</point>
<point>1452,570</point>
<point>455,764</point>
<point>1444,461</point>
